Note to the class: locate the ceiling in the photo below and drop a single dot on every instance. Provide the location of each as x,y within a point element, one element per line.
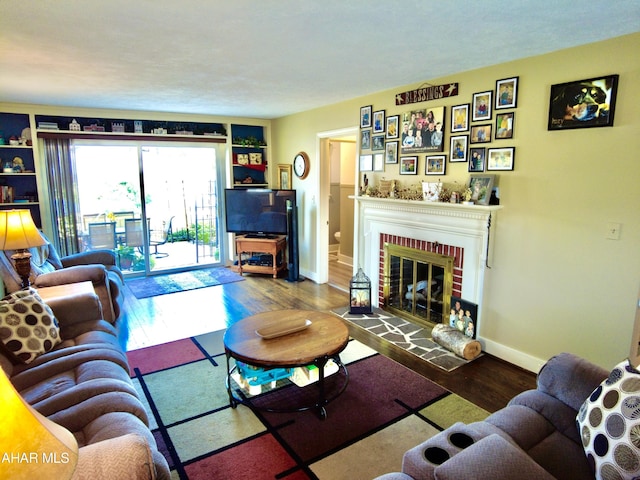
<point>270,58</point>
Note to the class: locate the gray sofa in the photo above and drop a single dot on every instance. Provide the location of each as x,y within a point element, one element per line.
<point>534,437</point>
<point>83,384</point>
<point>49,269</point>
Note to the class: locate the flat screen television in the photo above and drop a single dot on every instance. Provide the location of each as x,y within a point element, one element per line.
<point>259,212</point>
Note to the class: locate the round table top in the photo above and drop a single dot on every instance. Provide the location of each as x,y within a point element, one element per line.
<point>326,335</point>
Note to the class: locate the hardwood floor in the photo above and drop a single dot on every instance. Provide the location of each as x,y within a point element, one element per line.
<point>488,382</point>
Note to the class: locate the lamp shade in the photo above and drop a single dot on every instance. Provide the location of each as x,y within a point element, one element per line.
<point>17,230</point>
<point>31,445</point>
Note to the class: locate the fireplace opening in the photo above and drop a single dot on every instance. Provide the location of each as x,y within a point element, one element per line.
<point>417,284</point>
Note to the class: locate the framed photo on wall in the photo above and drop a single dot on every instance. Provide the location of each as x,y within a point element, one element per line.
<point>378,162</point>
<point>284,177</point>
<point>377,142</point>
<point>435,164</point>
<point>422,131</point>
<point>365,116</point>
<point>583,103</point>
<point>378,121</point>
<point>391,152</point>
<point>393,129</point>
<point>506,93</point>
<point>366,163</point>
<point>477,159</point>
<point>460,118</point>
<point>504,125</point>
<point>480,133</point>
<point>458,149</point>
<point>365,139</point>
<point>481,106</point>
<point>501,158</point>
<point>408,165</point>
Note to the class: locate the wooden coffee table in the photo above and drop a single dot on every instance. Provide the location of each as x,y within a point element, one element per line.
<point>288,339</point>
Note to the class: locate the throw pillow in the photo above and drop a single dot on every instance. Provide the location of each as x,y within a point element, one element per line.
<point>28,327</point>
<point>609,424</point>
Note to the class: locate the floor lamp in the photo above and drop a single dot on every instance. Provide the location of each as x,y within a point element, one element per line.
<point>18,232</point>
<point>32,446</point>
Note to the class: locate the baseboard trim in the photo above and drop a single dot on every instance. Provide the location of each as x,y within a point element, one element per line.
<point>515,357</point>
<point>346,260</point>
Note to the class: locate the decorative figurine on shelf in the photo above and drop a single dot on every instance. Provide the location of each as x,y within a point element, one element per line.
<point>74,126</point>
<point>18,165</point>
<point>360,293</point>
<point>7,167</point>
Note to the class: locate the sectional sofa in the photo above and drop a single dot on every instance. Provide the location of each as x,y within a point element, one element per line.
<point>80,380</point>
<point>581,422</point>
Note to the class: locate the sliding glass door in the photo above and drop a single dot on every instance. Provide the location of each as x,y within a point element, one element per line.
<point>156,206</point>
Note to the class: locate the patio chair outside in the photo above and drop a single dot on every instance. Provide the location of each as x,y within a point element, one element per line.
<point>159,237</point>
<point>102,236</point>
<point>133,232</point>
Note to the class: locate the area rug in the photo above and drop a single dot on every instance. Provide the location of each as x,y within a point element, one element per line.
<point>179,282</point>
<point>385,410</point>
<point>409,336</point>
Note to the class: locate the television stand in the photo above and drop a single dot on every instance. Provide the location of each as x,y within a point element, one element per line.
<point>268,246</point>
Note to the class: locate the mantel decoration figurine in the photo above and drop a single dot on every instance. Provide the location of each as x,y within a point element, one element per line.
<point>360,293</point>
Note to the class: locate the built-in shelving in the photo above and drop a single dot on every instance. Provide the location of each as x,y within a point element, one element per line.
<point>18,183</point>
<point>249,156</point>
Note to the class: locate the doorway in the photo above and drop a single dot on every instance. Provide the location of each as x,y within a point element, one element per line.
<point>157,203</point>
<point>338,153</point>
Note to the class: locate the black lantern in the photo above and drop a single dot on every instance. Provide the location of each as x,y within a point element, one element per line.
<point>360,293</point>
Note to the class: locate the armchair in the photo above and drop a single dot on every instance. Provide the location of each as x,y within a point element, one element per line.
<point>48,269</point>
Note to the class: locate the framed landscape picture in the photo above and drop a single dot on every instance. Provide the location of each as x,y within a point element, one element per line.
<point>435,165</point>
<point>480,133</point>
<point>583,103</point>
<point>408,165</point>
<point>501,158</point>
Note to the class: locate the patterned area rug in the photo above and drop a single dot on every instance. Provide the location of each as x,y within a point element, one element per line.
<point>179,282</point>
<point>385,410</point>
<point>409,336</point>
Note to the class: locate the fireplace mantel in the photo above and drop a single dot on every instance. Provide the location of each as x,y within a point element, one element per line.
<point>470,227</point>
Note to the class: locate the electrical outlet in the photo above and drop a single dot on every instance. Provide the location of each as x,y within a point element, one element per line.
<point>613,231</point>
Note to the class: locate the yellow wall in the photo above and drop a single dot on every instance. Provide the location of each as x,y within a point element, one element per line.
<point>556,283</point>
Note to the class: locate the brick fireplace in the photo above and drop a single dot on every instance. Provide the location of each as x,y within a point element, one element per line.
<point>464,232</point>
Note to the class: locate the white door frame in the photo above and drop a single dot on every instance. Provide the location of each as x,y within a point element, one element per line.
<point>322,243</point>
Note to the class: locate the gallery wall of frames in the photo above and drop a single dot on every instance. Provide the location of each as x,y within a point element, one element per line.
<point>425,138</point>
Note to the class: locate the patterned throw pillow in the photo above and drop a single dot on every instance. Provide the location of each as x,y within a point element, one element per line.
<point>609,424</point>
<point>28,327</point>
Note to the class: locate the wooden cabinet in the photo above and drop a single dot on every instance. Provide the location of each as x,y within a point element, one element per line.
<point>18,183</point>
<point>262,255</point>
